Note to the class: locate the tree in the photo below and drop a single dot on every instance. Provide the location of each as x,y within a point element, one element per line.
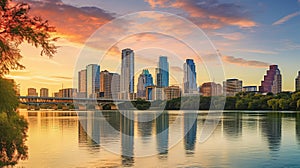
<point>17,27</point>
<point>13,127</point>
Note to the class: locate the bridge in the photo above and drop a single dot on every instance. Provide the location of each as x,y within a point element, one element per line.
<point>81,102</point>
<point>30,100</point>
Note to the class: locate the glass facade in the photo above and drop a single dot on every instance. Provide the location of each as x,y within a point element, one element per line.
<point>92,80</point>
<point>162,76</point>
<point>189,80</point>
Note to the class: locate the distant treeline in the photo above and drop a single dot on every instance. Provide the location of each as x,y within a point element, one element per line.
<point>241,101</point>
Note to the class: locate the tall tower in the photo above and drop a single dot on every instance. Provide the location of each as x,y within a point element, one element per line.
<point>189,79</point>
<point>82,83</point>
<point>297,82</point>
<point>272,81</point>
<point>92,80</point>
<point>127,74</point>
<point>145,80</point>
<point>162,76</point>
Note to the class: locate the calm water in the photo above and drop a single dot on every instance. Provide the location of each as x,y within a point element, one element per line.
<point>171,139</point>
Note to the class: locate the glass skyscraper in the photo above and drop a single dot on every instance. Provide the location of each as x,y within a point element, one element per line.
<point>162,74</point>
<point>145,79</point>
<point>92,80</point>
<point>127,74</point>
<point>189,79</point>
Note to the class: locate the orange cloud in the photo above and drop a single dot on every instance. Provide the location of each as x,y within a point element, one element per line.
<point>74,23</point>
<point>243,62</point>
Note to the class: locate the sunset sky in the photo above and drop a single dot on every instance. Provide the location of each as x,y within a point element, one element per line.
<point>250,35</point>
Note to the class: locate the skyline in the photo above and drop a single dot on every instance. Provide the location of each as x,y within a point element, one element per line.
<point>250,36</point>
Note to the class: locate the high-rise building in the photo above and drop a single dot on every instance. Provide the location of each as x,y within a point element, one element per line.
<point>232,87</point>
<point>145,79</point>
<point>127,75</point>
<point>67,93</point>
<point>32,92</point>
<point>172,92</point>
<point>297,82</point>
<point>115,85</point>
<point>189,78</point>
<point>109,84</point>
<point>44,92</point>
<point>211,89</point>
<point>162,73</point>
<point>92,80</point>
<point>250,89</point>
<point>272,81</point>
<point>155,93</point>
<point>82,83</point>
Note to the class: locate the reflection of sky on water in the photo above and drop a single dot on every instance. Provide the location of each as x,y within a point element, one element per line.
<point>240,140</point>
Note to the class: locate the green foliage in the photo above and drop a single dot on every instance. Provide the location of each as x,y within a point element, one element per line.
<point>16,27</point>
<point>13,127</point>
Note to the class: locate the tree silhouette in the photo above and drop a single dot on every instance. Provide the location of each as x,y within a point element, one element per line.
<point>17,27</point>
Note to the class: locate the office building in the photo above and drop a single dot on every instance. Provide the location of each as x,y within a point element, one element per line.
<point>145,79</point>
<point>250,89</point>
<point>272,81</point>
<point>154,93</point>
<point>32,92</point>
<point>172,92</point>
<point>44,92</point>
<point>109,84</point>
<point>92,80</point>
<point>189,77</point>
<point>127,75</point>
<point>67,93</point>
<point>232,87</point>
<point>82,84</point>
<point>162,73</point>
<point>297,82</point>
<point>211,89</point>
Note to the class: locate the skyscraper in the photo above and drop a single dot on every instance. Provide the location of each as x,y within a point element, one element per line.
<point>127,74</point>
<point>82,83</point>
<point>189,79</point>
<point>162,73</point>
<point>232,87</point>
<point>92,80</point>
<point>272,81</point>
<point>32,92</point>
<point>145,79</point>
<point>109,84</point>
<point>297,82</point>
<point>44,92</point>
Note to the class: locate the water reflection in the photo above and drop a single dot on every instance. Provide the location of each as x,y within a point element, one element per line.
<point>162,133</point>
<point>61,139</point>
<point>233,125</point>
<point>298,127</point>
<point>271,129</point>
<point>190,130</point>
<point>127,134</point>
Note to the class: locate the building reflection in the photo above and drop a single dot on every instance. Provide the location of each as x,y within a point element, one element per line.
<point>127,135</point>
<point>162,133</point>
<point>145,124</point>
<point>271,129</point>
<point>232,124</point>
<point>298,127</point>
<point>88,129</point>
<point>190,130</point>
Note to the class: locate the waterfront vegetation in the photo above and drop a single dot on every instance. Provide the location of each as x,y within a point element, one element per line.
<point>242,101</point>
<point>17,27</point>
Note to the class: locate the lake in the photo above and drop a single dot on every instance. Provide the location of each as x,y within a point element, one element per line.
<point>168,139</point>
